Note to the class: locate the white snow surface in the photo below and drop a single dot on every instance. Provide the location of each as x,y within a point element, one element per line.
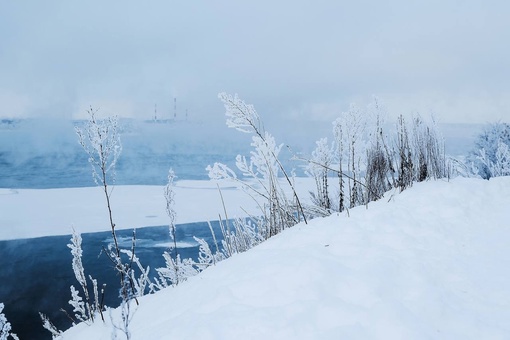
<point>429,263</point>
<point>27,213</point>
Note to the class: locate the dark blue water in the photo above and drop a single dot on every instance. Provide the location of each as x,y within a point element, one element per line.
<point>36,273</point>
<point>140,168</point>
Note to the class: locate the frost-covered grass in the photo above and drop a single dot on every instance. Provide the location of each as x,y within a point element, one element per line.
<point>430,263</point>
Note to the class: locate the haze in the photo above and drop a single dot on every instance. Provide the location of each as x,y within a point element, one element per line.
<point>294,60</point>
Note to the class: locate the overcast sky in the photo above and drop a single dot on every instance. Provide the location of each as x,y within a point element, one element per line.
<point>291,59</point>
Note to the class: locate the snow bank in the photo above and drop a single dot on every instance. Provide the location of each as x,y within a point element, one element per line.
<point>430,263</point>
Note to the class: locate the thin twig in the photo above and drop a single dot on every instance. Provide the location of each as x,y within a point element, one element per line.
<point>338,172</point>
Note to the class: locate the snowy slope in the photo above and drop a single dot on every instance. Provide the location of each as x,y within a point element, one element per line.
<point>430,263</point>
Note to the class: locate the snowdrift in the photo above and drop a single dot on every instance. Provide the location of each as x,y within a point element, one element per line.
<point>429,263</point>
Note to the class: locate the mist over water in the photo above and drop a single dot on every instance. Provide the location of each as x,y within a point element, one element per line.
<point>44,153</point>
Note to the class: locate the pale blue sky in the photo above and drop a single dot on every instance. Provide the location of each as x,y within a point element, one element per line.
<point>291,59</point>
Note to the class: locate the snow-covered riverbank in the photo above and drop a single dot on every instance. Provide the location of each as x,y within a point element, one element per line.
<point>429,263</point>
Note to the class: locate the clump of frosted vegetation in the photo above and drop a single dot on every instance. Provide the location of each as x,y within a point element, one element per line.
<point>491,154</point>
<point>100,139</point>
<point>321,160</point>
<point>84,309</point>
<point>176,269</point>
<point>5,326</point>
<point>371,159</point>
<point>263,169</point>
<point>366,159</point>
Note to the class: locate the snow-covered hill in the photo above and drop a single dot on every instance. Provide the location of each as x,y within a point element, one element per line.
<point>430,263</point>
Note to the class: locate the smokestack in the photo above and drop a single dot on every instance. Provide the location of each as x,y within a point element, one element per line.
<point>175,108</point>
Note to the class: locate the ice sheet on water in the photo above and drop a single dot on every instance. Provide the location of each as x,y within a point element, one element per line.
<point>180,244</point>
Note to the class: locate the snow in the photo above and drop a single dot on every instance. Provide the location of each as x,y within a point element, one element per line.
<point>30,213</point>
<point>429,263</point>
